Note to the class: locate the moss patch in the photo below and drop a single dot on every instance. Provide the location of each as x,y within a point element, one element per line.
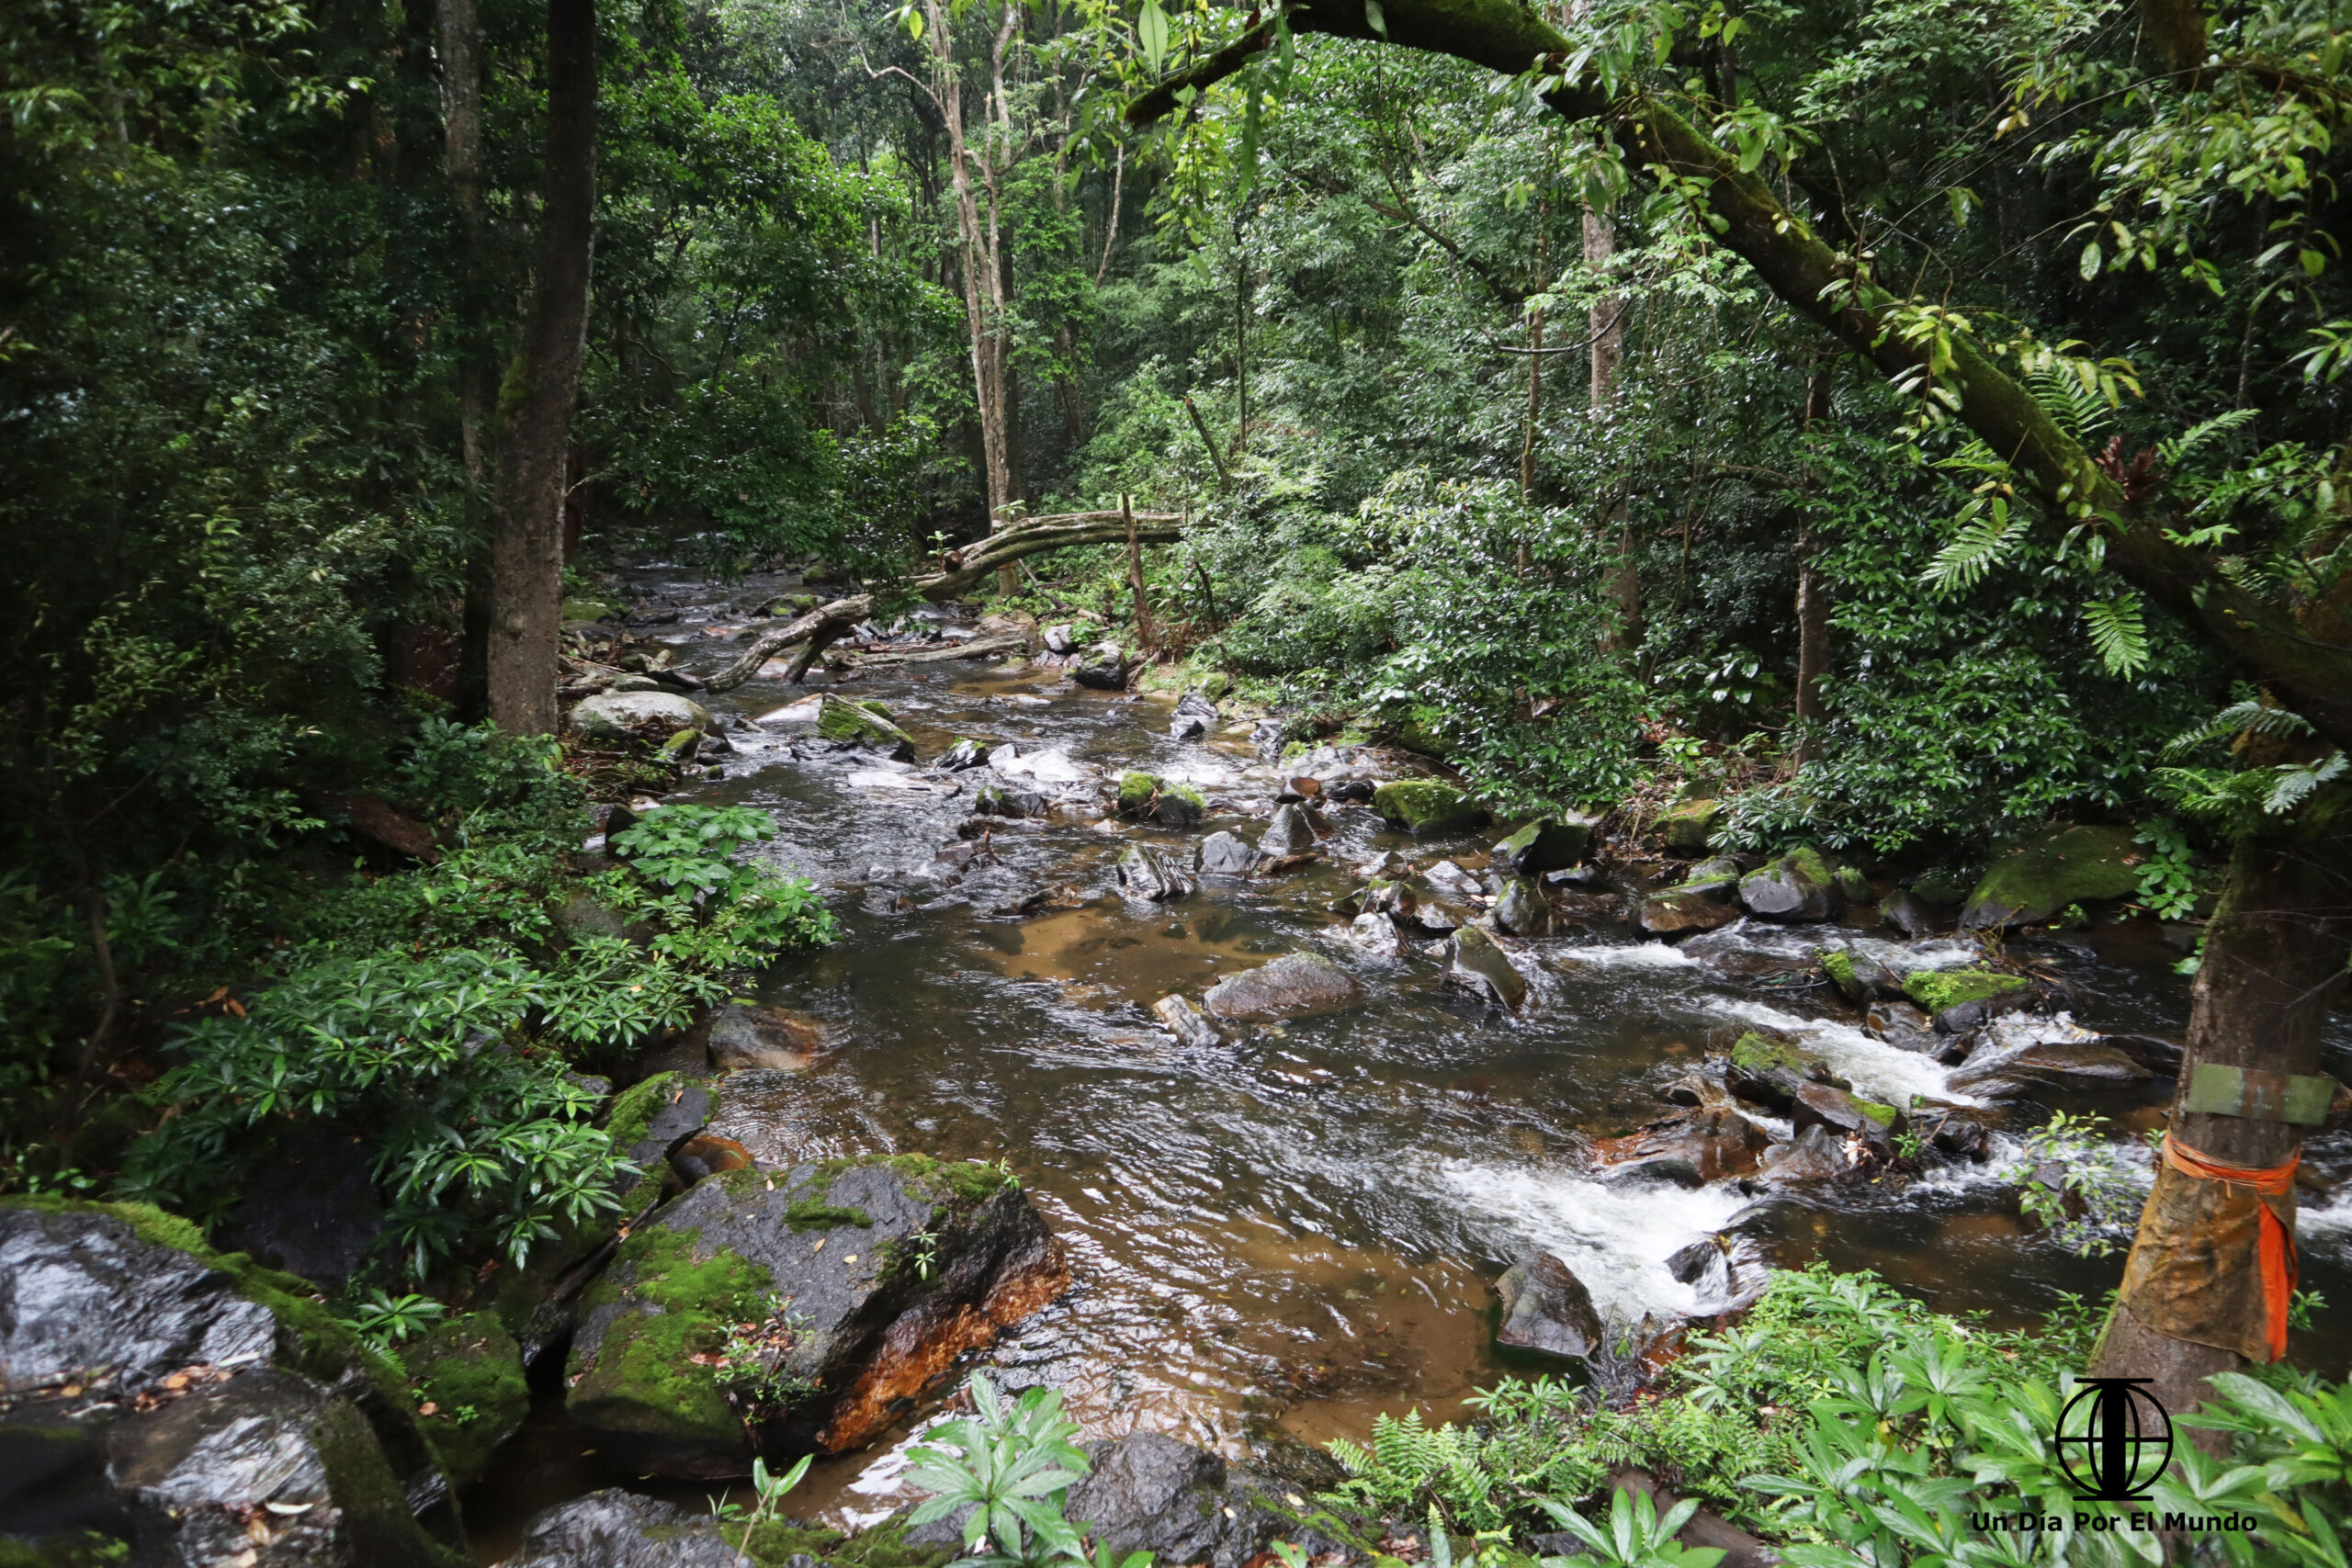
<point>1882,1114</point>
<point>807,1215</point>
<point>644,1379</point>
<point>1689,826</point>
<point>1937,990</point>
<point>777,1541</point>
<point>470,1371</point>
<point>2071,865</point>
<point>1838,964</point>
<point>1806,862</point>
<point>1426,806</point>
<point>1758,1054</point>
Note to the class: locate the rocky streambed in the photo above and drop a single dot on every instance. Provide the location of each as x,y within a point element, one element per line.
<point>1241,1091</point>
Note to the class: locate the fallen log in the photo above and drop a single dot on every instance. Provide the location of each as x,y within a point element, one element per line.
<point>967,568</point>
<point>978,647</point>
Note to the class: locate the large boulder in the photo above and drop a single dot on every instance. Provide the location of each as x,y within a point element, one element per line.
<point>2052,870</point>
<point>1297,985</point>
<point>1688,827</point>
<point>1546,1309</point>
<point>159,1403</point>
<point>1426,806</point>
<point>621,1530</point>
<point>623,715</point>
<point>1548,843</point>
<point>800,1310</point>
<point>1520,910</point>
<point>1478,966</point>
<point>1797,886</point>
<point>1957,1000</point>
<point>1151,1493</point>
<point>1846,1116</point>
<point>1104,667</point>
<point>311,1206</point>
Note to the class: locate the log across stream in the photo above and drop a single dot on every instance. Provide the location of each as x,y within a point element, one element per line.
<point>1292,1231</point>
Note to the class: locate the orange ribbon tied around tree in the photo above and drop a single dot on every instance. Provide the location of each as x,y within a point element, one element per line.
<point>2274,1185</point>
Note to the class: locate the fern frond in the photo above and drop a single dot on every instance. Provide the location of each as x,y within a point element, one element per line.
<point>2120,633</point>
<point>2297,780</point>
<point>2259,717</point>
<point>2068,390</point>
<point>1972,551</point>
<point>2181,447</point>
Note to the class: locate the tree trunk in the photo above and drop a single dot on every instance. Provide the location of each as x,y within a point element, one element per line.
<point>1607,323</point>
<point>460,44</point>
<point>542,387</point>
<point>1813,594</point>
<point>2274,963</point>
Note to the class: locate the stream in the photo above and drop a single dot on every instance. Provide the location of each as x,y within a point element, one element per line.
<point>1288,1234</point>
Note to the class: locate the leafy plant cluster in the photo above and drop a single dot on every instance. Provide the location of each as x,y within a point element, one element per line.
<point>439,1014</point>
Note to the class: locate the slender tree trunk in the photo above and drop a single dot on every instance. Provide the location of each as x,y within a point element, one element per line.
<point>1240,345</point>
<point>2274,964</point>
<point>458,41</point>
<point>542,388</point>
<point>1135,577</point>
<point>1607,324</point>
<point>1110,226</point>
<point>1813,591</point>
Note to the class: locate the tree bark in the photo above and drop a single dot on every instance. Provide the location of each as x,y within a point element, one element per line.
<point>2274,964</point>
<point>1813,594</point>
<point>1607,323</point>
<point>542,388</point>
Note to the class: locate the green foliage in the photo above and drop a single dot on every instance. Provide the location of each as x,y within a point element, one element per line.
<point>2077,1185</point>
<point>1012,1464</point>
<point>1936,989</point>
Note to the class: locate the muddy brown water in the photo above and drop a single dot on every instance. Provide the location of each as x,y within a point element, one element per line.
<point>1285,1236</point>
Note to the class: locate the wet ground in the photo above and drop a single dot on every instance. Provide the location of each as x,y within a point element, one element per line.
<point>1292,1232</point>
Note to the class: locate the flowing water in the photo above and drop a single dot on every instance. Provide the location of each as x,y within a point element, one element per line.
<point>1290,1232</point>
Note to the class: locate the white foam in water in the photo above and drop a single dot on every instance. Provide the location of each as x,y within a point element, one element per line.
<point>1615,1236</point>
<point>2330,1222</point>
<point>1877,1070</point>
<point>1637,956</point>
<point>1052,766</point>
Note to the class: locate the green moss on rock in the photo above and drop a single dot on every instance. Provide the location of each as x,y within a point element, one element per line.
<point>468,1370</point>
<point>1689,826</point>
<point>1426,806</point>
<point>1758,1054</point>
<point>1136,792</point>
<point>1838,964</point>
<point>1883,1115</point>
<point>2062,866</point>
<point>807,1215</point>
<point>643,1377</point>
<point>1938,989</point>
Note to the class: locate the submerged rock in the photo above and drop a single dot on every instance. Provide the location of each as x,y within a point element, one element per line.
<point>1797,886</point>
<point>615,1529</point>
<point>1145,873</point>
<point>2056,868</point>
<point>1180,1018</point>
<point>1690,1149</point>
<point>862,723</point>
<point>1483,969</point>
<point>743,1037</point>
<point>1545,1308</point>
<point>1682,911</point>
<point>1296,985</point>
<point>861,1281</point>
<point>1424,807</point>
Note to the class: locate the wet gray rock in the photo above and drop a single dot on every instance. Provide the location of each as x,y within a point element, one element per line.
<point>1520,910</point>
<point>613,1528</point>
<point>1102,667</point>
<point>747,1037</point>
<point>1269,736</point>
<point>966,753</point>
<point>2159,1055</point>
<point>310,1208</point>
<point>1788,889</point>
<point>1724,1270</point>
<point>1193,716</point>
<point>1060,638</point>
<point>1811,1156</point>
<point>1548,843</point>
<point>1483,970</point>
<point>1447,877</point>
<point>1296,985</point>
<point>1225,855</point>
<point>1145,873</point>
<point>1289,833</point>
<point>1180,1018</point>
<point>1683,911</point>
<point>1910,913</point>
<point>617,715</point>
<point>1820,1104</point>
<point>1904,1026</point>
<point>1546,1309</point>
<point>1374,934</point>
<point>2019,1055</point>
<point>1689,1149</point>
<point>1962,1139</point>
<point>1859,979</point>
<point>85,1293</point>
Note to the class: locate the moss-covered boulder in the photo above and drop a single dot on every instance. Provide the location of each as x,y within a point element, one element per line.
<point>472,1397</point>
<point>863,723</point>
<point>2052,870</point>
<point>1548,843</point>
<point>159,1360</point>
<point>1957,999</point>
<point>1688,827</point>
<point>1799,886</point>
<point>1138,790</point>
<point>590,610</point>
<point>1426,806</point>
<point>781,1312</point>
